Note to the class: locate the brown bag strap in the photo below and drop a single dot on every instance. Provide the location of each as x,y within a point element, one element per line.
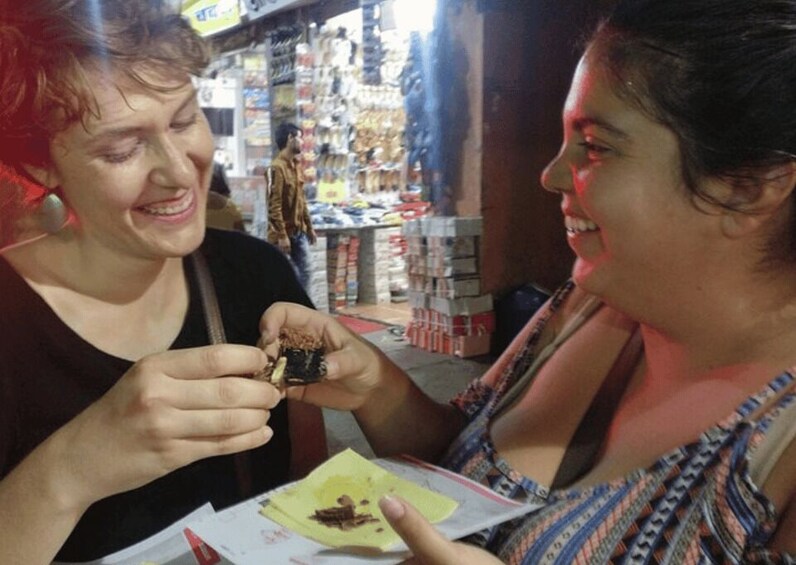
<point>207,292</point>
<point>216,334</point>
<point>589,436</point>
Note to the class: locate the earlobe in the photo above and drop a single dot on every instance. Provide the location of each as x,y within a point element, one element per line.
<point>777,188</point>
<point>751,207</point>
<point>737,224</point>
<point>45,176</point>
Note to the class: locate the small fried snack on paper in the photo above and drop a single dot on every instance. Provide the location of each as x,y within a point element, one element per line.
<point>337,504</point>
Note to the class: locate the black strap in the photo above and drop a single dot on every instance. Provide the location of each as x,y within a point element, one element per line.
<point>215,333</point>
<point>589,437</point>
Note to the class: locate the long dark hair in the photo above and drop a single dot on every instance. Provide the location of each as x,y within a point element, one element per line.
<point>721,74</point>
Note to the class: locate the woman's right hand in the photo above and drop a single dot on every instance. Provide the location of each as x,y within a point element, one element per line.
<point>354,367</point>
<point>170,409</point>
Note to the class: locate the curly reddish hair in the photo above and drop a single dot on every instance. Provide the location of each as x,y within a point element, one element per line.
<point>48,48</point>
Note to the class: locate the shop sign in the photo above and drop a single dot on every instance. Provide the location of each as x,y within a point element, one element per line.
<point>211,16</point>
<point>332,192</point>
<point>256,9</point>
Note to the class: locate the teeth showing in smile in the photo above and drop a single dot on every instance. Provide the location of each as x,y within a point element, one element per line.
<point>172,209</point>
<point>579,225</point>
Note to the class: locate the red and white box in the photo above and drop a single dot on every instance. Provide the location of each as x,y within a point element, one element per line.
<point>478,324</point>
<point>467,306</point>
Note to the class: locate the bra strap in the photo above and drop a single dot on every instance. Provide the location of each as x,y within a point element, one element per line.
<point>779,436</point>
<point>583,313</point>
<point>589,437</point>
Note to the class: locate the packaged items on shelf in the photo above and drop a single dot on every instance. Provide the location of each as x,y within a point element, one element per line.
<point>374,264</point>
<point>319,287</point>
<point>449,313</point>
<point>341,261</point>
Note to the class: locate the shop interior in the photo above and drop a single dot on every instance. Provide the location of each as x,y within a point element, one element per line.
<point>344,82</point>
<point>420,152</point>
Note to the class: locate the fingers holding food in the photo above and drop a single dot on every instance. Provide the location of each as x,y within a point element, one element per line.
<point>300,360</point>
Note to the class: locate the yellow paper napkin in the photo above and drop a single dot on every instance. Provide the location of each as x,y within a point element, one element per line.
<point>350,474</point>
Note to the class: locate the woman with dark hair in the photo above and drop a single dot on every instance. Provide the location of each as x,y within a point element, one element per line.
<point>117,416</point>
<point>649,410</point>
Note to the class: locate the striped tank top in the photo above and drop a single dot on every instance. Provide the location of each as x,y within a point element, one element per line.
<point>696,504</point>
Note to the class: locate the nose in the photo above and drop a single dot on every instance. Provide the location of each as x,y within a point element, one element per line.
<point>555,176</point>
<point>173,168</point>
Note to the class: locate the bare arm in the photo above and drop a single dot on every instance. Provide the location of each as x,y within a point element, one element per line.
<point>394,414</point>
<point>36,513</point>
<point>167,411</point>
<point>398,417</point>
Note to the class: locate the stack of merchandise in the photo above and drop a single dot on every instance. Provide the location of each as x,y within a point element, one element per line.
<point>399,280</point>
<point>318,290</point>
<point>449,313</point>
<point>282,44</point>
<point>342,254</point>
<point>334,87</point>
<point>371,41</point>
<point>379,139</point>
<point>257,110</point>
<point>374,274</point>
<point>306,115</point>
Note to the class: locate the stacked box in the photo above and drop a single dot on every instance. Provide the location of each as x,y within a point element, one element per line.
<point>352,272</point>
<point>374,265</point>
<point>318,290</point>
<point>449,313</point>
<point>477,324</point>
<point>399,281</point>
<point>341,254</point>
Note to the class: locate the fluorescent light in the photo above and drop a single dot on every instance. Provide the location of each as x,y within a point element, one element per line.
<point>415,15</point>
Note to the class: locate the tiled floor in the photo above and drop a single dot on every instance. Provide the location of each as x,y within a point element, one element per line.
<point>393,313</point>
<point>440,376</point>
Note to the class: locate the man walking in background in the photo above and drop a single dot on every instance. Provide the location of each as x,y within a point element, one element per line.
<point>289,225</point>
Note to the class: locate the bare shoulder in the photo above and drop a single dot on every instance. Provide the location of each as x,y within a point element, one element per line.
<point>566,302</point>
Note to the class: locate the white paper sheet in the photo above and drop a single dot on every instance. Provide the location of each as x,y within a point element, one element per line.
<point>172,546</point>
<point>245,537</point>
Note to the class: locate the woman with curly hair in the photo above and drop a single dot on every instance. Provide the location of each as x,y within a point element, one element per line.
<point>117,416</point>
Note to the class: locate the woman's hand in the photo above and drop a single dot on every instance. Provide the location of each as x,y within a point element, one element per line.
<point>427,545</point>
<point>170,409</point>
<point>353,366</point>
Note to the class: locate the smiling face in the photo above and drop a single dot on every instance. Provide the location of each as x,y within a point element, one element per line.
<point>629,218</point>
<point>136,177</point>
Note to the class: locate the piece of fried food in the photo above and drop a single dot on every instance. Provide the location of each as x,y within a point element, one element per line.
<point>300,361</point>
<point>305,357</point>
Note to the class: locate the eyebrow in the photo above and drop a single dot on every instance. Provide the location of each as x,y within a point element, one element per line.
<point>580,124</point>
<point>110,134</point>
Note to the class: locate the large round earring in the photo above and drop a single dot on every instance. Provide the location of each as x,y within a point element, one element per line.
<point>52,214</point>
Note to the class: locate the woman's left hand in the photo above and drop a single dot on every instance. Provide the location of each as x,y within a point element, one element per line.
<point>428,546</point>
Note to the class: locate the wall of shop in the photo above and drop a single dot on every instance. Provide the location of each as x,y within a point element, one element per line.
<point>466,28</point>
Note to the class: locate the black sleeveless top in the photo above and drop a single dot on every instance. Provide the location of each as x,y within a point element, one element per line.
<point>48,374</point>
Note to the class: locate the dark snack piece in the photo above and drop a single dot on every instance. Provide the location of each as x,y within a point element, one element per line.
<point>304,354</point>
<point>343,517</point>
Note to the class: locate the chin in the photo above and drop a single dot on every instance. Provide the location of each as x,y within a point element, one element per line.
<point>184,242</point>
<point>588,277</point>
